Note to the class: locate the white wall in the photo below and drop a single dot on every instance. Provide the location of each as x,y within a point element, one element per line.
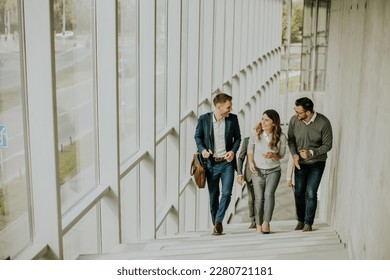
<point>355,190</point>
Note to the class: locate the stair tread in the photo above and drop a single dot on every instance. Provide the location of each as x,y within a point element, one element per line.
<point>303,252</point>
<point>238,242</point>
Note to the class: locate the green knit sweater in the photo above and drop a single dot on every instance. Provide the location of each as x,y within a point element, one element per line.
<point>316,136</point>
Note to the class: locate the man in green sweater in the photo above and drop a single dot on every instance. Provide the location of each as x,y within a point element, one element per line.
<point>309,139</point>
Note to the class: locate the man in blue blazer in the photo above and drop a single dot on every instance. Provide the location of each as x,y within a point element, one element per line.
<point>218,139</point>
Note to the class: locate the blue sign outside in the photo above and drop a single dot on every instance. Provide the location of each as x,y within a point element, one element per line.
<point>3,136</point>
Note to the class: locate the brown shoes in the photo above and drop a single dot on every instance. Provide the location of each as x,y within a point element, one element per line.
<point>258,229</point>
<point>253,225</point>
<point>217,228</point>
<point>303,227</point>
<point>307,228</point>
<point>299,226</point>
<point>265,228</point>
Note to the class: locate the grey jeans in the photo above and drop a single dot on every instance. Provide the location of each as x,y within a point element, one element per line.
<point>265,182</point>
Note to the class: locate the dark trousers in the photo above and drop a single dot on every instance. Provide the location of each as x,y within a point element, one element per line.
<point>223,172</point>
<point>307,181</point>
<point>251,201</point>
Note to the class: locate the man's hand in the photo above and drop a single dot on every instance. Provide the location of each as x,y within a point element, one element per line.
<point>304,153</point>
<point>229,156</point>
<point>296,158</point>
<point>206,153</point>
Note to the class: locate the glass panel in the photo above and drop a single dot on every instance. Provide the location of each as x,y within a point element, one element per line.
<point>74,29</point>
<point>14,221</point>
<point>314,50</point>
<point>322,44</point>
<point>127,73</point>
<point>292,46</point>
<point>283,82</point>
<point>161,64</point>
<point>184,55</point>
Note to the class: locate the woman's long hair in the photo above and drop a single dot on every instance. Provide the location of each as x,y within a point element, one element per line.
<point>274,116</point>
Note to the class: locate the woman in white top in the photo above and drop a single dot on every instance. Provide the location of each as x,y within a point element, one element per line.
<point>267,146</point>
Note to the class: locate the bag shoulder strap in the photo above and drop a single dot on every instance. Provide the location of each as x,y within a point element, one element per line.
<point>208,131</point>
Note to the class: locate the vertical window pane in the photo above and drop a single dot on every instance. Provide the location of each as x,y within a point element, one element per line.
<point>13,184</point>
<point>161,64</point>
<point>292,45</point>
<point>322,44</point>
<point>184,54</point>
<point>127,73</point>
<point>75,98</point>
<point>314,44</point>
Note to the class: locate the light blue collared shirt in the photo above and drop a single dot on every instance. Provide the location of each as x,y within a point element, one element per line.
<point>219,137</point>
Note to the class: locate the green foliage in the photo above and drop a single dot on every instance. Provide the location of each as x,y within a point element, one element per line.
<point>58,8</point>
<point>284,24</point>
<point>12,7</point>
<point>296,23</point>
<point>2,202</point>
<point>77,16</point>
<point>16,193</point>
<point>13,200</point>
<point>68,162</point>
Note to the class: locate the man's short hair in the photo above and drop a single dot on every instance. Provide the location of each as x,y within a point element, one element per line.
<point>306,104</point>
<point>221,98</point>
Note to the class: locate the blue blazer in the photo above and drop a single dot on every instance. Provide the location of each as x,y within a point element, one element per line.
<point>232,134</point>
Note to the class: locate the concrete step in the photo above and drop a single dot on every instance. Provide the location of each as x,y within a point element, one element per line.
<point>237,242</point>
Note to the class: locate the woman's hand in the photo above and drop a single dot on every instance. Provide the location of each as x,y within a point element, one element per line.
<point>272,155</point>
<point>240,180</point>
<point>252,167</point>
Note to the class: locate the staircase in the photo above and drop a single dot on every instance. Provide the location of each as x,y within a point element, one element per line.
<point>237,243</point>
<point>240,243</point>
